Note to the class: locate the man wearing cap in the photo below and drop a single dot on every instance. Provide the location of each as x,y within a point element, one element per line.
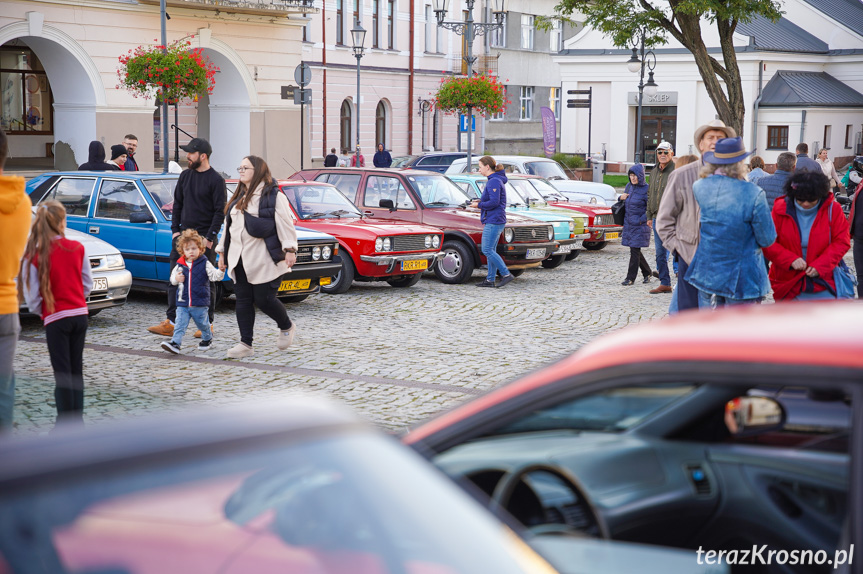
<point>677,220</point>
<point>658,180</point>
<point>199,203</point>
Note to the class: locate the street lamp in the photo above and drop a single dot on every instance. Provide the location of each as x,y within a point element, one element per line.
<point>638,64</point>
<point>469,29</point>
<point>358,37</point>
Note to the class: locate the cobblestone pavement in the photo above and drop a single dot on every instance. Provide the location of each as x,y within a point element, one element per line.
<point>396,356</point>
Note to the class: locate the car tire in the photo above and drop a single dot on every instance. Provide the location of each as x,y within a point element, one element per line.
<point>554,261</point>
<point>572,254</point>
<point>406,281</point>
<point>456,266</point>
<point>93,312</point>
<point>294,298</point>
<point>344,279</point>
<point>517,272</point>
<point>595,245</point>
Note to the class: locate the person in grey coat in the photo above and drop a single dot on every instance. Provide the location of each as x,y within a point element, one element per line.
<point>636,232</point>
<point>774,185</point>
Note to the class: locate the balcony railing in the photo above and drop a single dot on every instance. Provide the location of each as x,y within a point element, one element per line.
<point>258,7</point>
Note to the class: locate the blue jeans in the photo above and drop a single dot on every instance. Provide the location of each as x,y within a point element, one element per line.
<point>687,294</point>
<point>706,300</point>
<point>201,318</point>
<point>490,236</point>
<point>661,258</point>
<point>9,329</point>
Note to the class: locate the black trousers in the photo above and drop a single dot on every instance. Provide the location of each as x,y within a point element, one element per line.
<point>172,289</point>
<point>857,250</point>
<point>66,348</point>
<point>262,296</point>
<point>636,260</point>
<point>687,294</point>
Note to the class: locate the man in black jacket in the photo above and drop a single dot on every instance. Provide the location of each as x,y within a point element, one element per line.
<point>332,160</point>
<point>199,203</point>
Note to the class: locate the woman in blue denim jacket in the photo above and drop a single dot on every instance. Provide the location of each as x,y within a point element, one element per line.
<point>636,232</point>
<point>735,225</point>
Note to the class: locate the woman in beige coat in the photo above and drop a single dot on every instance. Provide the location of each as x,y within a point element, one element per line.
<point>829,169</point>
<point>259,245</point>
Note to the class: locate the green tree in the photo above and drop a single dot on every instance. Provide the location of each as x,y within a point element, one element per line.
<point>624,20</point>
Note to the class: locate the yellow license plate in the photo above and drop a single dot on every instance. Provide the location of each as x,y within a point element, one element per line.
<point>295,285</point>
<point>612,235</point>
<point>415,264</point>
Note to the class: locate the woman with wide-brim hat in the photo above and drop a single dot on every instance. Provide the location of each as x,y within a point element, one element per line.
<point>728,267</point>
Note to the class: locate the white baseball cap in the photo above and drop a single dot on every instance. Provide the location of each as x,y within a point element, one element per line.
<point>664,145</point>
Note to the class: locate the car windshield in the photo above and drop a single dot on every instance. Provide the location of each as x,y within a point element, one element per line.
<point>608,411</point>
<point>544,190</point>
<point>162,192</point>
<point>319,202</point>
<point>401,160</point>
<point>341,505</point>
<point>547,169</point>
<point>438,191</point>
<point>517,190</point>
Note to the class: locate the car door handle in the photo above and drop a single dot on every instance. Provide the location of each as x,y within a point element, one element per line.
<point>93,230</point>
<point>368,213</point>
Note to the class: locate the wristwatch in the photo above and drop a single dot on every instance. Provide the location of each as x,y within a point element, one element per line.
<point>291,250</point>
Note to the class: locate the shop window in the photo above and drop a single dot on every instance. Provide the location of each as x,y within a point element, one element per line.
<point>25,94</point>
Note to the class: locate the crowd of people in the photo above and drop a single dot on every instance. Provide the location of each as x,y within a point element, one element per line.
<point>381,159</point>
<point>122,156</point>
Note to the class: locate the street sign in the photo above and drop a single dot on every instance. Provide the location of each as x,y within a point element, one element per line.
<point>578,103</point>
<point>462,126</point>
<point>303,96</point>
<point>303,74</point>
<point>578,92</point>
<point>288,92</point>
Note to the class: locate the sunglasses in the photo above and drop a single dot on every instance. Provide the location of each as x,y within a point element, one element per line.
<point>662,152</point>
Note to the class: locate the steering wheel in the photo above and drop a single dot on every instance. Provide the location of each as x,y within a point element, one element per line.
<point>501,498</point>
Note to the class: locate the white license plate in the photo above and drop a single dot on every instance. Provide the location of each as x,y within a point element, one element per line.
<point>535,254</point>
<point>100,284</point>
<point>577,245</point>
<point>564,248</point>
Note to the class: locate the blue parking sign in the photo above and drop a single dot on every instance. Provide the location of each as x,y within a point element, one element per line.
<point>462,126</point>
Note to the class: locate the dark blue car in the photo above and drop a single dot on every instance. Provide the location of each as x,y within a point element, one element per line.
<point>132,212</point>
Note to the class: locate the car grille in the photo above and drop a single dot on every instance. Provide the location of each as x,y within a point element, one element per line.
<point>304,253</point>
<point>409,243</point>
<point>527,234</point>
<point>95,262</point>
<point>605,219</point>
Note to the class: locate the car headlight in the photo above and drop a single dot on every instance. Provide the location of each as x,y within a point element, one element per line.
<point>116,262</point>
<point>592,200</point>
<point>326,252</point>
<point>508,234</point>
<point>428,241</point>
<point>571,226</point>
<point>316,253</point>
<point>387,244</point>
<point>550,233</point>
<point>379,244</point>
<point>435,241</point>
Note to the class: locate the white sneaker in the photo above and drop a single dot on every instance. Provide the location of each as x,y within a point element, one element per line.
<point>286,338</point>
<point>240,351</point>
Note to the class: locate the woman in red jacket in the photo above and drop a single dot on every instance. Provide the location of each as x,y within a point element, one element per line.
<point>811,238</point>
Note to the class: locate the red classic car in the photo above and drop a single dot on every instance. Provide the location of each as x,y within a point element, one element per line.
<point>370,250</point>
<point>600,220</point>
<point>423,197</point>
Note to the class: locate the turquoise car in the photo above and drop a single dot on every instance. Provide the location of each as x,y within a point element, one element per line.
<point>569,227</point>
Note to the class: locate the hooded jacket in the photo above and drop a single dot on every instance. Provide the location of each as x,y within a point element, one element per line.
<point>15,215</point>
<point>636,232</point>
<point>492,203</point>
<point>96,160</point>
<point>382,158</point>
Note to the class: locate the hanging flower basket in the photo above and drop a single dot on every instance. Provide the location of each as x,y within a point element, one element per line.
<point>486,95</point>
<point>176,74</point>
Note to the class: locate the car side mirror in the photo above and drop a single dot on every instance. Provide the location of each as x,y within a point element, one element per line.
<point>746,416</point>
<point>387,204</point>
<point>140,217</point>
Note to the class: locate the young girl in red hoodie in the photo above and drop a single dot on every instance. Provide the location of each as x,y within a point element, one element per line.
<point>56,281</point>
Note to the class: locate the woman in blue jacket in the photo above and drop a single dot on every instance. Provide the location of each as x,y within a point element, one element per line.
<point>636,232</point>
<point>492,203</point>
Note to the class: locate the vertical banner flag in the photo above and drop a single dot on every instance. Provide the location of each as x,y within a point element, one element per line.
<point>549,131</point>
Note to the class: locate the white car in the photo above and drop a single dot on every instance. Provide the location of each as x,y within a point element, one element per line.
<point>586,191</point>
<point>111,279</point>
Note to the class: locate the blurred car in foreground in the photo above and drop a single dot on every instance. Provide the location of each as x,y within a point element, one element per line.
<point>727,430</point>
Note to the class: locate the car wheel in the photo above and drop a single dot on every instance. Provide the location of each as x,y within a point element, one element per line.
<point>93,312</point>
<point>406,281</point>
<point>293,298</point>
<point>343,280</point>
<point>219,292</point>
<point>595,245</point>
<point>456,266</point>
<point>572,254</point>
<point>517,272</point>
<point>554,261</point>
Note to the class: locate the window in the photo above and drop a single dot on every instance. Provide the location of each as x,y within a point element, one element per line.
<point>74,194</point>
<point>391,8</point>
<point>497,37</point>
<point>340,22</point>
<point>378,188</point>
<point>356,13</point>
<point>162,192</point>
<point>828,134</point>
<point>376,14</point>
<point>307,29</point>
<point>381,125</point>
<point>555,42</point>
<point>119,199</point>
<point>527,32</point>
<point>430,24</point>
<point>345,127</point>
<point>436,129</point>
<point>554,101</point>
<point>777,137</point>
<point>848,130</point>
<point>347,184</point>
<point>526,103</point>
<point>26,105</point>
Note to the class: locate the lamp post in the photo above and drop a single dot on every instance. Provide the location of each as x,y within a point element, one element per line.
<point>358,37</point>
<point>637,64</point>
<point>469,29</point>
<point>163,148</point>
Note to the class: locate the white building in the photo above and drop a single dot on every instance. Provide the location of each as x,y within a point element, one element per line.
<point>802,82</point>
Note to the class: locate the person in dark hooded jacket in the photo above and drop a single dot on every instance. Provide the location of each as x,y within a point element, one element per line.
<point>96,160</point>
<point>382,157</point>
<point>636,232</point>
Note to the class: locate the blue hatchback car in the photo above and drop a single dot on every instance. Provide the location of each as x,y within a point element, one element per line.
<point>132,212</point>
